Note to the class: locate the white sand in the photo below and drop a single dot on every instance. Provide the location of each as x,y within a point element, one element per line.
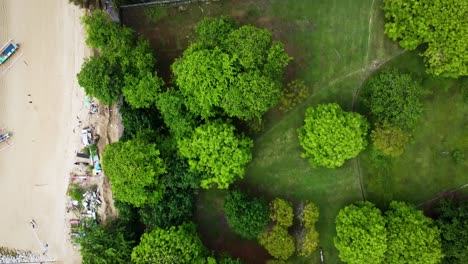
<point>34,170</point>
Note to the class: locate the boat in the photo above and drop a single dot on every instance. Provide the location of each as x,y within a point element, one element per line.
<point>8,50</point>
<point>5,137</point>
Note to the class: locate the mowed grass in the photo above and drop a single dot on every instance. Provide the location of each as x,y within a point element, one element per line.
<point>426,168</point>
<point>334,43</point>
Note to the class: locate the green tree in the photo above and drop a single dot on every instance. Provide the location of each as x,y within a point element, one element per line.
<point>394,99</point>
<point>101,79</point>
<point>235,70</point>
<point>142,91</point>
<point>453,224</point>
<point>218,153</point>
<point>202,76</point>
<point>361,235</point>
<point>438,25</point>
<point>412,237</point>
<point>282,213</point>
<point>134,169</point>
<point>104,244</point>
<point>247,216</point>
<point>278,242</point>
<point>166,246</point>
<point>330,135</point>
<point>212,32</point>
<point>180,122</point>
<point>98,28</point>
<point>175,208</point>
<point>138,120</point>
<point>389,140</point>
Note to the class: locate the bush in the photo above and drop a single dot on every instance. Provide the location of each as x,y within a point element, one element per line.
<point>155,13</point>
<point>295,92</point>
<point>458,156</point>
<point>282,213</point>
<point>75,192</point>
<point>309,241</point>
<point>247,216</point>
<point>330,135</point>
<point>389,140</point>
<point>277,242</point>
<point>394,98</point>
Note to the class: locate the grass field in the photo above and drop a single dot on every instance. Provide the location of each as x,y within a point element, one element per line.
<point>336,44</point>
<point>426,168</point>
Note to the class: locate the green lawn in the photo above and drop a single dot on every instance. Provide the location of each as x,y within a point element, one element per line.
<point>335,45</point>
<point>426,168</point>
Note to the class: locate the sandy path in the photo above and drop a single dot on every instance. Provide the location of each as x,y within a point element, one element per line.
<point>33,172</point>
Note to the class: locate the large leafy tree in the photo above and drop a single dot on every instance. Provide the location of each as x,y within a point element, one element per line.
<point>439,25</point>
<point>453,224</point>
<point>236,70</point>
<point>217,152</point>
<point>101,79</point>
<point>134,169</point>
<point>174,208</point>
<point>178,244</point>
<point>330,135</point>
<point>394,99</point>
<point>104,244</point>
<point>412,237</point>
<point>179,121</point>
<point>125,65</point>
<point>142,91</point>
<point>361,234</point>
<point>278,242</point>
<point>245,215</point>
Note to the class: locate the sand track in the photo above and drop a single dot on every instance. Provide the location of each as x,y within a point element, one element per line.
<point>33,172</point>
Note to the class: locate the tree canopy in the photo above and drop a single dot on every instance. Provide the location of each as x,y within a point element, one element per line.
<point>394,99</point>
<point>236,70</point>
<point>217,152</point>
<point>104,244</point>
<point>412,237</point>
<point>453,224</point>
<point>437,24</point>
<point>134,169</point>
<point>173,245</point>
<point>247,216</point>
<point>124,64</point>
<point>180,122</point>
<point>101,79</point>
<point>361,234</point>
<point>330,135</point>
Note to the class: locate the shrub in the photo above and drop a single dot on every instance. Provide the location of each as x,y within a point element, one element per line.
<point>75,192</point>
<point>295,92</point>
<point>330,135</point>
<point>277,242</point>
<point>246,216</point>
<point>282,213</point>
<point>394,98</point>
<point>389,140</point>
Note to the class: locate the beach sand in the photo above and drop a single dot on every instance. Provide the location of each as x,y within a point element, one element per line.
<point>34,170</point>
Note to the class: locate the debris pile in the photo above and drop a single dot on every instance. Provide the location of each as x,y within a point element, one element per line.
<point>91,202</point>
<point>8,255</point>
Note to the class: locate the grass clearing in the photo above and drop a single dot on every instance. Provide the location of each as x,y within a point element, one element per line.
<point>427,167</point>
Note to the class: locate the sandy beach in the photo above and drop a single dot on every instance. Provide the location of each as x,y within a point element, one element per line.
<point>34,170</point>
